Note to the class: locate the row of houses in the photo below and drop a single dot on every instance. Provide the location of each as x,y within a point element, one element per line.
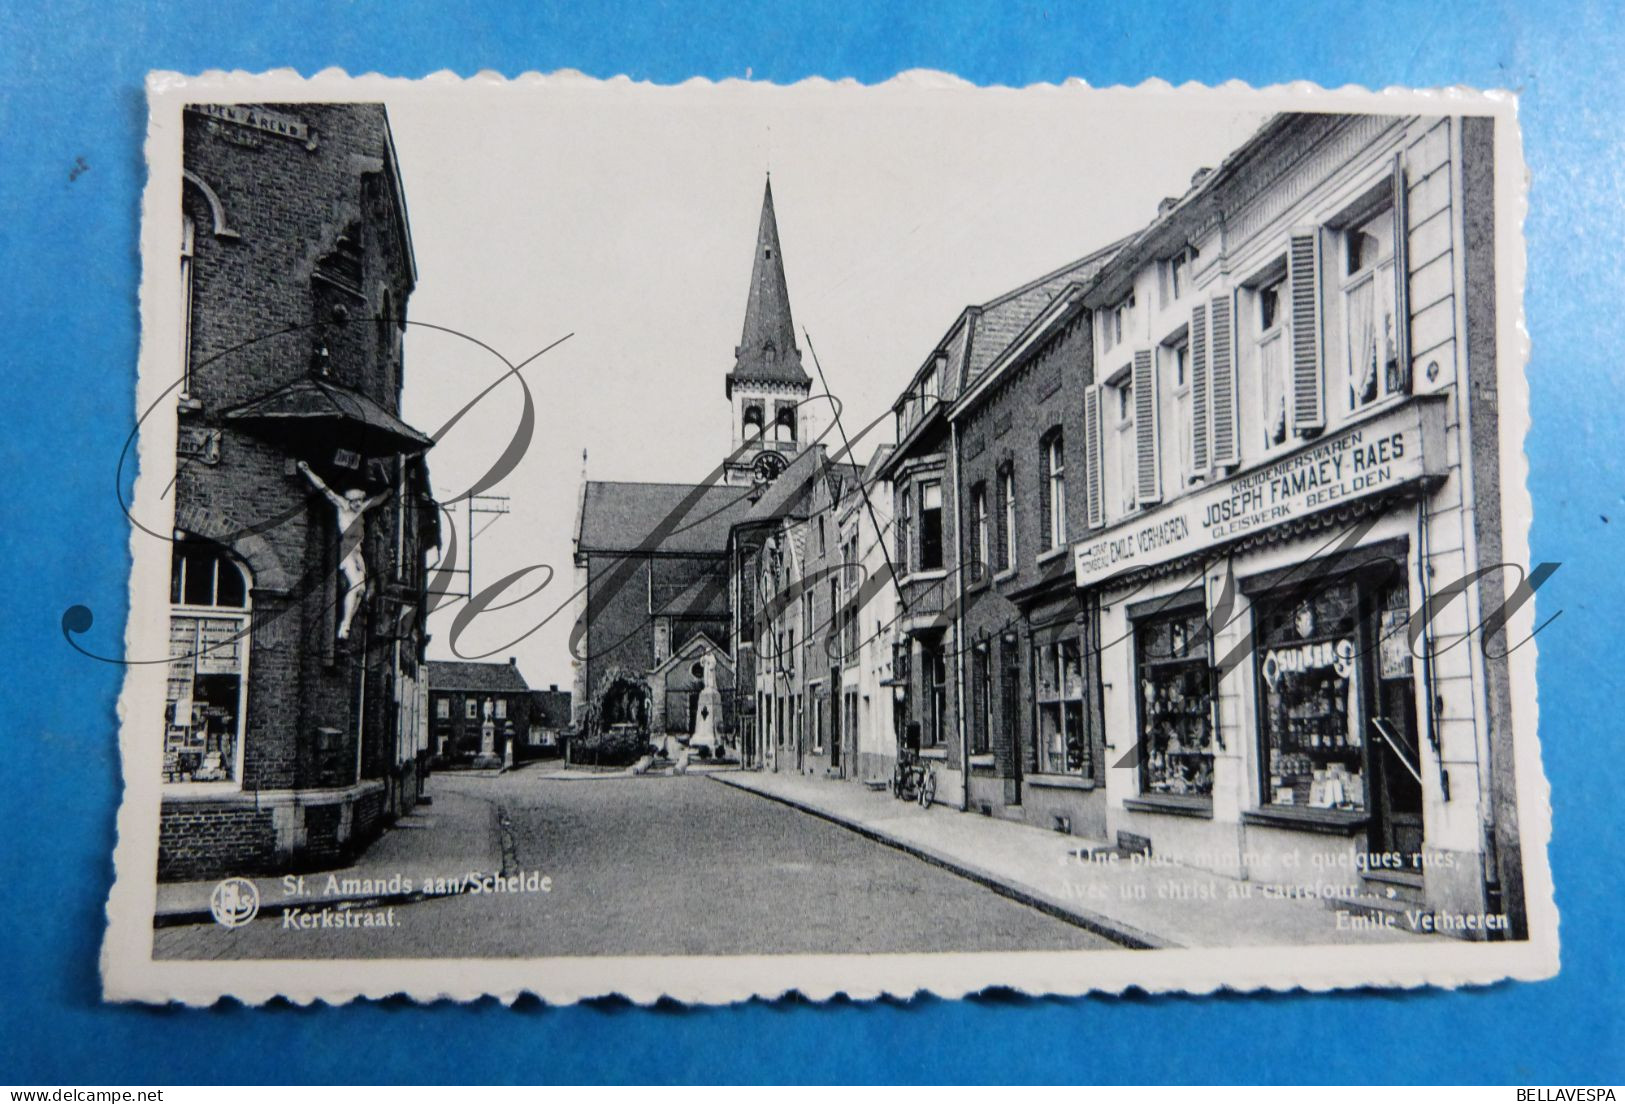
<point>1176,543</point>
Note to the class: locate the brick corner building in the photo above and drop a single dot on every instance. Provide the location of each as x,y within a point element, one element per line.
<point>293,729</point>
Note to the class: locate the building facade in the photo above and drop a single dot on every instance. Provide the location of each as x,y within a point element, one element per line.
<point>1033,723</point>
<point>1295,368</point>
<point>294,726</point>
<point>934,579</point>
<point>550,717</point>
<point>465,698</point>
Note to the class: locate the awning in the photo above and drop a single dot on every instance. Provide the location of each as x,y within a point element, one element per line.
<point>313,406</point>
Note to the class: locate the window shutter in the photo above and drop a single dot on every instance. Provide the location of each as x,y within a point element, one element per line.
<point>1093,501</point>
<point>1308,402</point>
<point>1045,506</point>
<point>1222,383</point>
<point>1402,269</point>
<point>1148,484</point>
<point>1199,389</point>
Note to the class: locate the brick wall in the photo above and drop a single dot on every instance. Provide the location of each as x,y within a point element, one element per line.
<point>270,214</point>
<point>1037,398</point>
<point>197,841</point>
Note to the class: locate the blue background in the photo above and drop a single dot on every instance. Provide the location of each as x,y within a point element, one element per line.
<point>71,87</point>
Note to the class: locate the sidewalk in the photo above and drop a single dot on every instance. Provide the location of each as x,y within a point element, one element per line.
<point>1137,904</point>
<point>451,837</point>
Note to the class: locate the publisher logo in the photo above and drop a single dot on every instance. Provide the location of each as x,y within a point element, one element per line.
<point>234,902</point>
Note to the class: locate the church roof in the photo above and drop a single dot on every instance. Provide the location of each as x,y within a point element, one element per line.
<point>659,517</point>
<point>767,350</point>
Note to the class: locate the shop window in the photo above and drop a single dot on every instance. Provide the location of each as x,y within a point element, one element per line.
<point>1063,743</point>
<point>930,526</point>
<point>1176,715</point>
<point>206,692</point>
<point>1371,346</point>
<point>1310,706</point>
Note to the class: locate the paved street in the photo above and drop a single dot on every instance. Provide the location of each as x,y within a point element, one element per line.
<point>666,865</point>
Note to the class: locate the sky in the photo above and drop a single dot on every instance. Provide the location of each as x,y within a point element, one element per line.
<point>621,218</point>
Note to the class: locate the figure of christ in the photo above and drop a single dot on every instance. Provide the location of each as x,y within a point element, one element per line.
<point>349,509</point>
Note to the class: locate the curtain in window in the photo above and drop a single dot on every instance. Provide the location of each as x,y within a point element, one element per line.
<point>1273,370</point>
<point>1362,344</point>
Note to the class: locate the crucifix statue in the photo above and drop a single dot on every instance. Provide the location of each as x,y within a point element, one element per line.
<point>349,509</point>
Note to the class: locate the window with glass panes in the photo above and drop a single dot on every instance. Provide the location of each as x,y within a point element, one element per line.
<point>981,714</point>
<point>1175,705</point>
<point>206,689</point>
<point>1055,490</point>
<point>1127,457</point>
<point>979,542</point>
<point>930,526</point>
<point>1271,363</point>
<point>1179,380</point>
<point>1371,341</point>
<point>1063,741</point>
<point>1311,713</point>
<point>935,662</point>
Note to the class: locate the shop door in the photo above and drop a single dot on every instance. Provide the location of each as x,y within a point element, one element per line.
<point>1395,750</point>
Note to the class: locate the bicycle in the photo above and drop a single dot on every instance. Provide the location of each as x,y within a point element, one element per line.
<point>914,780</point>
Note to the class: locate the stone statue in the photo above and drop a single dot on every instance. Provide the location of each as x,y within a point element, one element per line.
<point>707,707</point>
<point>349,508</point>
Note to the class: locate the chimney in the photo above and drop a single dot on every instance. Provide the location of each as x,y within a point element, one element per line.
<point>554,689</point>
<point>513,661</point>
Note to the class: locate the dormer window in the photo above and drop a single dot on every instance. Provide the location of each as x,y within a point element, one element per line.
<point>769,354</point>
<point>1115,322</point>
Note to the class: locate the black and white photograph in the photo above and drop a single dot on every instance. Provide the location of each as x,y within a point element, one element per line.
<point>715,540</point>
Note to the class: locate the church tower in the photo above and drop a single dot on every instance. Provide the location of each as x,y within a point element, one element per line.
<point>767,386</point>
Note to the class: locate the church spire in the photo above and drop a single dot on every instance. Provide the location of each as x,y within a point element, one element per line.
<point>767,350</point>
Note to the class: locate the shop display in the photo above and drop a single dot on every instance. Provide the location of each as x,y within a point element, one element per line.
<point>1176,706</point>
<point>1063,742</point>
<point>1309,675</point>
<point>204,691</point>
